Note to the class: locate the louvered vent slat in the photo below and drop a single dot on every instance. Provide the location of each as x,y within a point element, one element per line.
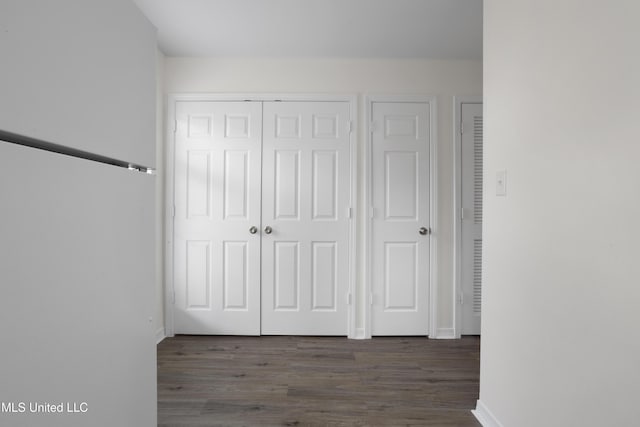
<point>477,169</point>
<point>477,275</point>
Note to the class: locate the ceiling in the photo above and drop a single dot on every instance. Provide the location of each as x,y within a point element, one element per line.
<point>434,29</point>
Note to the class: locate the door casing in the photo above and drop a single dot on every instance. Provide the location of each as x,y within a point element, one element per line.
<point>365,331</point>
<point>169,297</point>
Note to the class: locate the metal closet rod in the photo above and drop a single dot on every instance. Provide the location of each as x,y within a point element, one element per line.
<point>40,144</point>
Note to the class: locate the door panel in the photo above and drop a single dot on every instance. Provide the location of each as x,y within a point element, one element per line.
<point>287,184</point>
<point>400,254</point>
<point>217,200</point>
<point>472,167</point>
<point>306,196</point>
<point>236,184</point>
<point>401,186</point>
<point>286,278</point>
<point>324,276</point>
<point>400,278</point>
<point>198,184</point>
<point>325,180</point>
<point>198,279</point>
<point>235,266</point>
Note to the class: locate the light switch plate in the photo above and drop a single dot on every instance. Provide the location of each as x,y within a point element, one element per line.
<point>501,183</point>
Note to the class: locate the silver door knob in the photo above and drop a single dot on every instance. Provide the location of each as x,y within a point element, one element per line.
<point>423,231</point>
<point>253,230</point>
<point>268,230</point>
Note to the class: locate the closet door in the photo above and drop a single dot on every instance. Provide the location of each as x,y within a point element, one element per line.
<point>217,218</point>
<point>471,167</point>
<point>305,212</point>
<point>400,228</point>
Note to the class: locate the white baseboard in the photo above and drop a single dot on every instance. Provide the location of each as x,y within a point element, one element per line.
<point>445,334</point>
<point>484,416</point>
<point>160,335</point>
<point>359,335</point>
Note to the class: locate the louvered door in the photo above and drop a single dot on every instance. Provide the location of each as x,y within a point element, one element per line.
<point>471,217</point>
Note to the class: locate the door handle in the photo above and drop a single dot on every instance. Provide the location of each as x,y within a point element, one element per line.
<point>424,231</point>
<point>253,230</point>
<point>268,230</point>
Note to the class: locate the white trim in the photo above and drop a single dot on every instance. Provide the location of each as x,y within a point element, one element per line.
<point>484,416</point>
<point>457,204</point>
<point>368,224</point>
<point>160,335</point>
<point>445,334</point>
<point>352,331</point>
<point>261,97</point>
<point>169,215</point>
<point>433,204</point>
<point>360,334</point>
<point>433,215</point>
<point>239,97</point>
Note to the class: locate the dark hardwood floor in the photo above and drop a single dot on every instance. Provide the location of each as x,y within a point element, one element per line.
<point>317,381</point>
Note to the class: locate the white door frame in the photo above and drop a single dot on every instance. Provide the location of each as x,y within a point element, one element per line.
<point>433,208</point>
<point>457,205</point>
<point>169,190</point>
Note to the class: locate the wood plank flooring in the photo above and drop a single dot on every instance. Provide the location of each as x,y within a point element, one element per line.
<point>317,381</point>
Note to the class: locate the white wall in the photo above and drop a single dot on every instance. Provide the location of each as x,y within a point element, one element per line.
<point>76,273</point>
<point>561,298</point>
<point>352,76</point>
<point>76,73</point>
<point>76,236</point>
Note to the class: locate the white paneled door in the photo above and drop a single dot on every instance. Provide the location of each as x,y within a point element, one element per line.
<point>471,263</point>
<point>262,194</point>
<point>305,218</point>
<point>400,237</point>
<point>217,217</point>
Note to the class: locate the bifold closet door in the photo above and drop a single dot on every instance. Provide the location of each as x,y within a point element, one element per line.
<point>305,218</point>
<point>217,218</point>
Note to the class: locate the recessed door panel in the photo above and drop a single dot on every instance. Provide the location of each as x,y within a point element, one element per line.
<point>401,127</point>
<point>198,184</point>
<point>325,180</point>
<point>401,185</point>
<point>235,275</point>
<point>236,126</point>
<point>286,268</point>
<point>199,126</point>
<point>198,275</point>
<point>236,184</point>
<point>400,276</point>
<point>287,184</point>
<point>400,238</point>
<point>325,126</point>
<point>288,126</point>
<point>324,275</point>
